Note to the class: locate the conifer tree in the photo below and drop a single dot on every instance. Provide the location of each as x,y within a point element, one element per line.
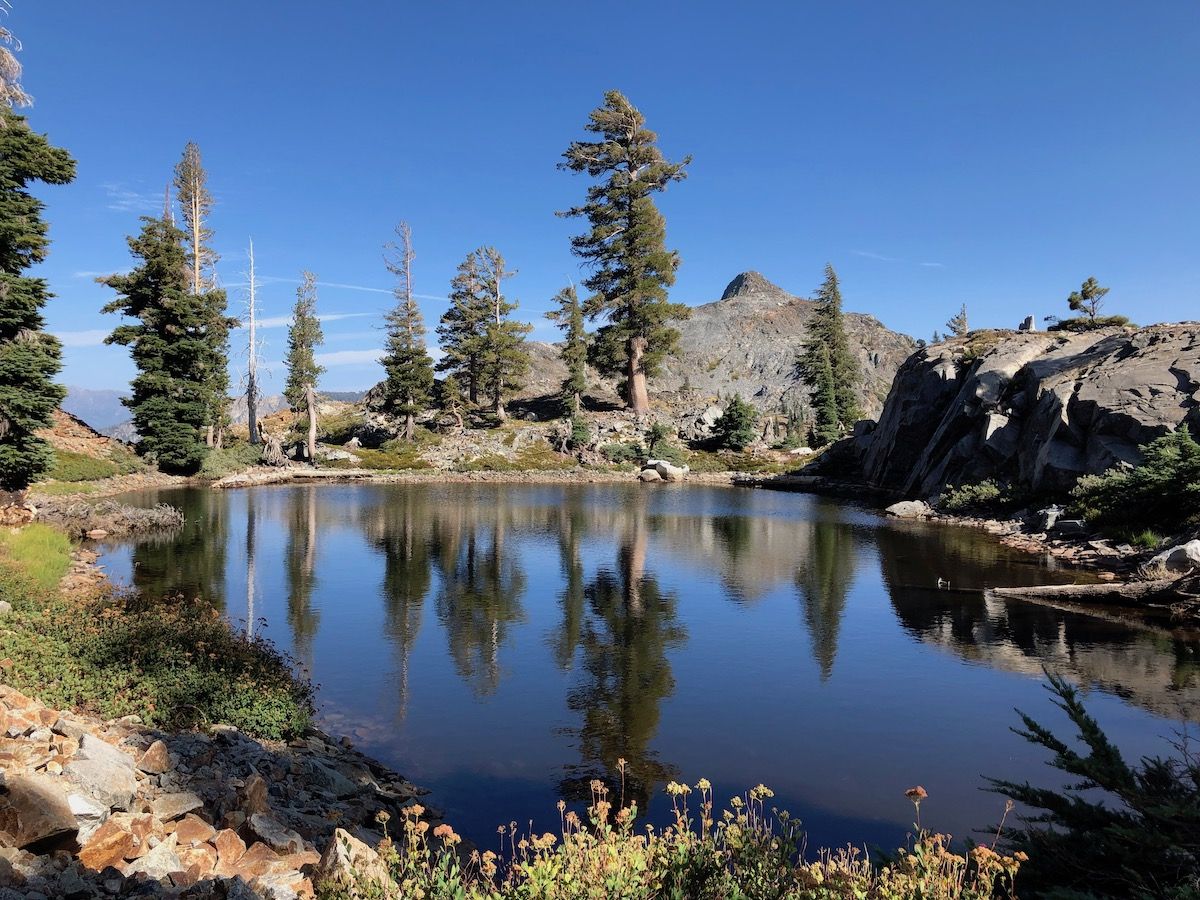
<point>735,429</point>
<point>174,346</point>
<point>460,330</point>
<point>195,202</point>
<point>406,359</point>
<point>503,359</point>
<point>957,325</point>
<point>626,244</point>
<point>29,358</point>
<point>827,365</point>
<point>569,318</point>
<point>481,343</point>
<point>1088,299</point>
<point>304,336</point>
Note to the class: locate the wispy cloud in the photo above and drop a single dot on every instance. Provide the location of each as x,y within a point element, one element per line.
<point>366,288</point>
<point>349,357</point>
<point>91,275</point>
<point>869,254</point>
<point>93,337</point>
<point>123,198</point>
<point>284,321</point>
<point>882,257</point>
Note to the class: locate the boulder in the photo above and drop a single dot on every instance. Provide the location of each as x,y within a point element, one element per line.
<point>35,811</point>
<point>666,470</point>
<point>1180,559</point>
<point>159,862</point>
<point>89,814</point>
<point>110,845</point>
<point>173,806</point>
<point>649,475</point>
<point>910,509</point>
<point>350,864</point>
<point>155,760</point>
<point>5,607</point>
<point>103,771</point>
<point>275,834</point>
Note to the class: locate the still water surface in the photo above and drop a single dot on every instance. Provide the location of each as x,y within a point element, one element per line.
<point>504,644</point>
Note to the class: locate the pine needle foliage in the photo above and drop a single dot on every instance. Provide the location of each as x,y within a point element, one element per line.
<point>568,316</point>
<point>408,388</point>
<point>1120,830</point>
<point>625,246</point>
<point>735,429</point>
<point>958,325</point>
<point>195,204</point>
<point>29,357</point>
<point>828,367</point>
<point>304,336</point>
<point>178,344</point>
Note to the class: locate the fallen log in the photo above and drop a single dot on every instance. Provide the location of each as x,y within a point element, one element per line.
<point>1110,593</point>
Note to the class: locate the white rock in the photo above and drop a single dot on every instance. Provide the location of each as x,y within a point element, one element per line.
<point>275,834</point>
<point>104,772</point>
<point>5,607</point>
<point>668,471</point>
<point>349,863</point>
<point>1182,558</point>
<point>89,815</point>
<point>159,862</point>
<point>649,475</point>
<point>910,509</point>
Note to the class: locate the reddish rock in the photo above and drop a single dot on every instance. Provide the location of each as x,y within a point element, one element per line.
<point>34,808</point>
<point>202,858</point>
<point>258,860</point>
<point>109,846</point>
<point>302,859</point>
<point>193,830</point>
<point>155,760</point>
<point>230,849</point>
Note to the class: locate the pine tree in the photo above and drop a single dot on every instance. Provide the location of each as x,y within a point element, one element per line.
<point>827,365</point>
<point>503,358</point>
<point>481,344</point>
<point>826,427</point>
<point>406,359</point>
<point>175,346</point>
<point>569,318</point>
<point>304,336</point>
<point>191,188</point>
<point>460,330</point>
<point>957,325</point>
<point>195,202</point>
<point>1088,299</point>
<point>735,429</point>
<point>29,358</point>
<point>626,245</point>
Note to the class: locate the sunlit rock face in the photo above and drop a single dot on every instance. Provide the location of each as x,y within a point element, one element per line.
<point>1038,408</point>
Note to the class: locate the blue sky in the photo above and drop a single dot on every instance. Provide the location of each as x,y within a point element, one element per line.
<point>936,152</point>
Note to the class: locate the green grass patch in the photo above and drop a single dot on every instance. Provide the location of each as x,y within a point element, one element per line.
<point>538,457</point>
<point>40,553</point>
<point>734,461</point>
<point>70,466</point>
<point>175,663</point>
<point>392,456</point>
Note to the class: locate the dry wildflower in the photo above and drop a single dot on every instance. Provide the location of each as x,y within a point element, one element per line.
<point>415,811</point>
<point>383,817</point>
<point>916,794</point>
<point>704,784</point>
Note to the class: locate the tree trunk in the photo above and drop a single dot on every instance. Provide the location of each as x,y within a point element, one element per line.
<point>310,397</point>
<point>576,402</point>
<point>498,404</point>
<point>208,436</point>
<point>252,362</point>
<point>636,397</point>
<point>410,422</point>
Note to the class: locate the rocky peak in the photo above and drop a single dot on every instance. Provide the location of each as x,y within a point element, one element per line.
<point>751,283</point>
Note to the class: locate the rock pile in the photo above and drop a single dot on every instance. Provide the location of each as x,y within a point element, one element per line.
<point>93,809</point>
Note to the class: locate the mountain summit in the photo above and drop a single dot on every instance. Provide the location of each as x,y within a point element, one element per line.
<point>748,283</point>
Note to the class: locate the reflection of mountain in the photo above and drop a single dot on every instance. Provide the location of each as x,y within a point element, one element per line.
<point>629,627</point>
<point>823,577</point>
<point>1154,672</point>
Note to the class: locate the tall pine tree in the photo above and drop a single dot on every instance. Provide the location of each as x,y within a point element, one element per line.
<point>172,346</point>
<point>29,358</point>
<point>481,343</point>
<point>827,365</point>
<point>304,336</point>
<point>406,360</point>
<point>460,330</point>
<point>569,318</point>
<point>958,325</point>
<point>195,203</point>
<point>626,245</point>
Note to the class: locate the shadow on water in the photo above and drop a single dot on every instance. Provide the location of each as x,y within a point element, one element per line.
<point>506,645</point>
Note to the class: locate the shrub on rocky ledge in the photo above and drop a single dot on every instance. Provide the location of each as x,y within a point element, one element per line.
<point>1162,494</point>
<point>175,663</point>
